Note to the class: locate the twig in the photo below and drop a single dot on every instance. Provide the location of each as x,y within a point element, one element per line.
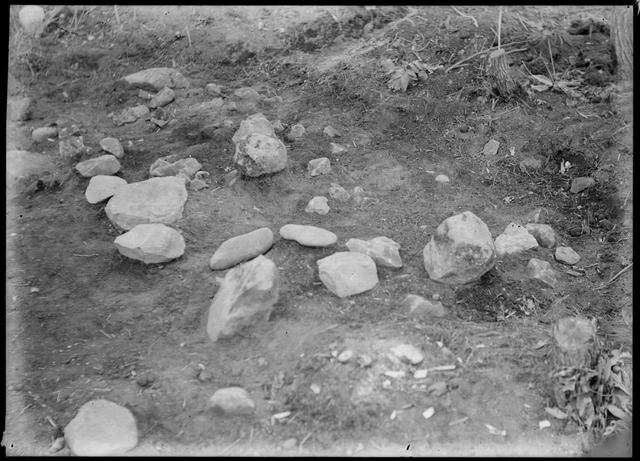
<point>306,437</point>
<point>457,64</point>
<point>229,447</point>
<point>86,256</point>
<point>499,25</point>
<point>553,67</point>
<point>465,15</point>
<point>188,36</point>
<point>613,279</point>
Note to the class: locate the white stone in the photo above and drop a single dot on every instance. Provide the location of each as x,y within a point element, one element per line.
<point>246,294</point>
<point>543,233</point>
<point>101,187</point>
<point>408,353</point>
<point>232,401</point>
<point>173,165</point>
<point>319,166</point>
<point>514,239</point>
<point>258,154</point>
<point>331,131</point>
<point>345,356</point>
<point>310,236</point>
<point>151,243</point>
<point>491,147</point>
<point>462,250</point>
<point>162,98</point>
<point>542,270</point>
<point>383,250</point>
<point>103,165</point>
<point>156,200</point>
<point>43,133</point>
<point>31,18</point>
<point>101,428</point>
<point>318,205</point>
<point>417,305</point>
<point>241,248</point>
<point>337,192</point>
<point>296,131</point>
<point>337,148</point>
<point>113,146</point>
<point>348,273</point>
<point>567,255</point>
<point>248,93</point>
<point>157,78</point>
<point>421,374</point>
<point>442,178</point>
<point>254,124</point>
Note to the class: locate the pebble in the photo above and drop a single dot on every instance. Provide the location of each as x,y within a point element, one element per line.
<point>543,233</point>
<point>530,163</point>
<point>337,148</point>
<point>514,239</point>
<point>345,356</point>
<point>103,165</point>
<point>364,360</point>
<point>541,270</point>
<point>112,146</point>
<point>408,353</point>
<point>162,98</point>
<point>44,133</point>
<point>315,388</point>
<point>151,243</point>
<point>420,374</point>
<point>295,132</point>
<point>232,401</point>
<point>337,192</point>
<point>319,205</point>
<point>417,305</point>
<point>289,444</point>
<point>437,389</point>
<point>567,255</point>
<point>442,178</point>
<point>383,250</point>
<point>491,147</point>
<point>319,166</point>
<point>241,248</point>
<point>580,184</point>
<point>331,131</point>
<point>395,374</point>
<point>213,90</point>
<point>310,236</point>
<point>347,273</point>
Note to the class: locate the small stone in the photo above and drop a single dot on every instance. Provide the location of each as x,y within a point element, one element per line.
<point>71,147</point>
<point>364,360</point>
<point>318,205</point>
<point>345,356</point>
<point>247,93</point>
<point>580,184</point>
<point>173,165</point>
<point>442,179</point>
<point>537,216</point>
<point>530,164</point>
<point>156,78</point>
<point>308,235</point>
<point>241,248</point>
<point>358,195</point>
<point>145,380</point>
<point>395,374</point>
<point>289,444</point>
<point>31,18</point>
<point>383,250</point>
<point>205,376</point>
<point>101,187</point>
<point>543,233</point>
<point>162,98</point>
<point>103,165</point>
<point>337,148</point>
<point>57,445</point>
<point>278,127</point>
<point>417,305</point>
<point>408,353</point>
<point>315,388</point>
<point>319,166</point>
<point>420,374</point>
<point>514,239</point>
<point>331,131</point>
<point>213,89</point>
<point>151,243</point>
<point>567,255</point>
<point>144,94</point>
<point>437,389</point>
<point>197,184</point>
<point>542,271</point>
<point>140,111</point>
<point>112,146</point>
<point>259,154</point>
<point>232,401</point>
<point>347,273</point>
<point>19,109</point>
<point>295,132</point>
<point>337,192</point>
<point>44,133</point>
<point>491,148</point>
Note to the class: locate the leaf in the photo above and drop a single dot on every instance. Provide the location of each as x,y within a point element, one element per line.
<point>617,412</point>
<point>400,80</point>
<point>556,413</point>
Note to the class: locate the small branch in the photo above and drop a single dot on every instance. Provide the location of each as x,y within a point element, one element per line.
<point>615,277</point>
<point>188,36</point>
<point>499,25</point>
<point>553,67</point>
<point>475,23</point>
<point>493,48</point>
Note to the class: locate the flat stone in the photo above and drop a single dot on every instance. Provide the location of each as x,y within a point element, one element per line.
<point>542,271</point>
<point>462,250</point>
<point>348,273</point>
<point>151,243</point>
<point>580,184</point>
<point>101,428</point>
<point>156,200</point>
<point>241,248</point>
<point>258,154</point>
<point>567,255</point>
<point>383,250</point>
<point>331,131</point>
<point>543,233</point>
<point>173,165</point>
<point>491,148</point>
<point>310,236</point>
<point>337,148</point>
<point>43,133</point>
<point>514,239</point>
<point>162,98</point>
<point>232,401</point>
<point>318,205</point>
<point>101,187</point>
<point>246,294</point>
<point>103,165</point>
<point>319,166</point>
<point>112,146</point>
<point>337,192</point>
<point>418,306</point>
<point>408,353</point>
<point>157,78</point>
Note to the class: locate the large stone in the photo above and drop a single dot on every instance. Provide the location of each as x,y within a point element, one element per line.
<point>542,270</point>
<point>156,200</point>
<point>21,164</point>
<point>247,293</point>
<point>543,233</point>
<point>567,255</point>
<point>101,187</point>
<point>32,19</point>
<point>580,184</point>
<point>232,401</point>
<point>113,146</point>
<point>254,124</point>
<point>240,248</point>
<point>461,250</point>
<point>157,78</point>
<point>318,205</point>
<point>19,109</point>
<point>43,133</point>
<point>319,166</point>
<point>151,243</point>
<point>418,306</point>
<point>101,428</point>
<point>514,239</point>
<point>173,165</point>
<point>103,165</point>
<point>162,98</point>
<point>348,273</point>
<point>383,250</point>
<point>258,154</point>
<point>310,236</point>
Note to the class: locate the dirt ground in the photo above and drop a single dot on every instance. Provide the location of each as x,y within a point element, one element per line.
<point>100,322</point>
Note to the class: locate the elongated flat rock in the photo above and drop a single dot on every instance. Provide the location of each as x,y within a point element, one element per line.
<point>310,236</point>
<point>241,248</point>
<point>103,165</point>
<point>348,273</point>
<point>382,250</point>
<point>514,239</point>
<point>102,187</point>
<point>151,243</point>
<point>157,78</point>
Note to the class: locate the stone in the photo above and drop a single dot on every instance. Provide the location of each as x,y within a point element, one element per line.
<point>44,133</point>
<point>336,191</point>
<point>289,444</point>
<point>567,255</point>
<point>131,114</point>
<point>383,250</point>
<point>71,147</point>
<point>156,78</point>
<point>151,243</point>
<point>542,270</point>
<point>140,111</point>
<point>296,132</point>
<point>213,89</point>
<point>331,131</point>
<point>419,306</point>
<point>247,294</point>
<point>408,353</point>
<point>247,93</point>
<point>442,179</point>
<point>19,108</point>
<point>337,148</point>
<point>530,164</point>
<point>21,164</point>
<point>491,148</point>
<point>197,184</point>
<point>358,195</point>
<point>537,216</point>
<point>318,205</point>
<point>258,154</point>
<point>173,165</point>
<point>232,401</point>
<point>31,19</point>
<point>319,166</point>
<point>278,127</point>
<point>310,236</point>
<point>580,184</point>
<point>112,146</point>
<point>461,251</point>
<point>162,98</point>
<point>101,428</point>
<point>101,187</point>
<point>156,200</point>
<point>543,233</point>
<point>103,165</point>
<point>348,273</point>
<point>345,356</point>
<point>241,248</point>
<point>514,239</point>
